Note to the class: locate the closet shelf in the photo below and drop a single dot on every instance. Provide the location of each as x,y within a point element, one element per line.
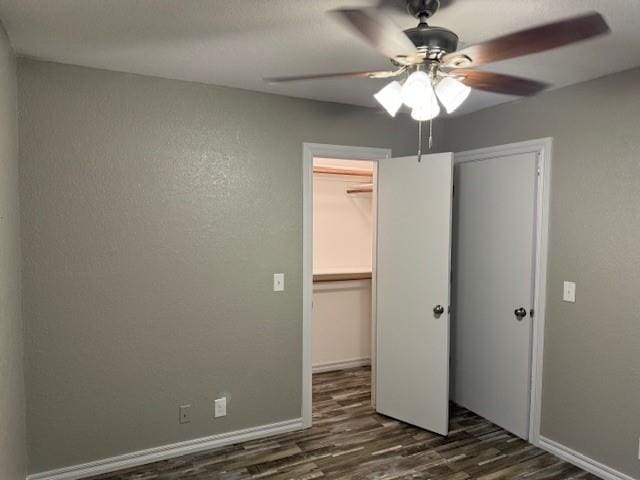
<point>343,171</point>
<point>341,276</point>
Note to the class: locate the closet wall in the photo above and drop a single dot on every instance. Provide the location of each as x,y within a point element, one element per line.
<point>342,260</point>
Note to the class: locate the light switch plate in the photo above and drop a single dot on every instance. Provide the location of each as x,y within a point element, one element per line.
<point>278,282</point>
<point>220,407</point>
<point>569,292</point>
<point>185,414</point>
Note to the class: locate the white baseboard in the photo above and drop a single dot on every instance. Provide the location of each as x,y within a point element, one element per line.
<point>141,457</point>
<point>341,365</point>
<point>565,453</point>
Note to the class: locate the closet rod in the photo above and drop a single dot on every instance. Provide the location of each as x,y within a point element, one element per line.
<point>343,171</point>
<point>364,188</point>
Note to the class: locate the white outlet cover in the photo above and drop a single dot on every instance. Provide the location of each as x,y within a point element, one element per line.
<point>220,407</point>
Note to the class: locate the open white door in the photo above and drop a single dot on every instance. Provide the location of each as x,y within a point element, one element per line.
<point>413,283</point>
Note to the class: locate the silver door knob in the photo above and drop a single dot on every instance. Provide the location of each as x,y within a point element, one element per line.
<point>520,313</point>
<point>438,310</point>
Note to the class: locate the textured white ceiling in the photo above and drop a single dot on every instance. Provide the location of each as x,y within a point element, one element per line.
<point>237,42</point>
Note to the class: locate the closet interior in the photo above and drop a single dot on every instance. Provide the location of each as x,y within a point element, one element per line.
<point>343,239</point>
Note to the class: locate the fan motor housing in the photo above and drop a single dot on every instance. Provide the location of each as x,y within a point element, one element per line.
<point>434,41</point>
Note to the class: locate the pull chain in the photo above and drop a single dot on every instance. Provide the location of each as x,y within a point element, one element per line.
<point>419,141</point>
<point>430,133</point>
<point>420,138</point>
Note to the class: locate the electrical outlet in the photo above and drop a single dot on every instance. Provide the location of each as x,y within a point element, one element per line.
<point>185,414</point>
<point>220,407</point>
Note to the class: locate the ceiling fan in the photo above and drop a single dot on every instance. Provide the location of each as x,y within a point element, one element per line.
<point>437,73</point>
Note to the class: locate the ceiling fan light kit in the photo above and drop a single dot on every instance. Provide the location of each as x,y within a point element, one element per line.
<point>419,94</point>
<point>439,73</point>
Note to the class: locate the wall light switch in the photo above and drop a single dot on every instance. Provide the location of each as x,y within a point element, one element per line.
<point>278,282</point>
<point>569,292</point>
<point>185,414</point>
<point>220,407</point>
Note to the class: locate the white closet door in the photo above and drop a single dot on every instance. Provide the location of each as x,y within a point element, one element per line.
<point>494,219</point>
<point>413,279</point>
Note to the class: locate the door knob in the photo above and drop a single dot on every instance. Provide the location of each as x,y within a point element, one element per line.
<point>520,313</point>
<point>438,310</point>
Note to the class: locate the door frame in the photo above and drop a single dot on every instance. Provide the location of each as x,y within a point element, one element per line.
<point>342,152</point>
<point>543,149</point>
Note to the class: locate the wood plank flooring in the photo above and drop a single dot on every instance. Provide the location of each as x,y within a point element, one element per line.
<point>349,441</point>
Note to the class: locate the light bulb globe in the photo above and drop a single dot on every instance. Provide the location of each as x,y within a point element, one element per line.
<point>390,97</point>
<point>417,89</point>
<point>425,112</point>
<point>452,93</point>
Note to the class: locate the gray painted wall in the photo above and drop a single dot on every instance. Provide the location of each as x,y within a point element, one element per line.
<point>154,215</point>
<point>591,389</point>
<point>12,411</point>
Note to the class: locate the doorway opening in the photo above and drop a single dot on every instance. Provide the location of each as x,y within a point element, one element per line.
<point>340,212</point>
<point>343,217</point>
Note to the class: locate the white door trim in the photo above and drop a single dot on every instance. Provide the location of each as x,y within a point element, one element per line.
<point>309,151</point>
<point>542,148</point>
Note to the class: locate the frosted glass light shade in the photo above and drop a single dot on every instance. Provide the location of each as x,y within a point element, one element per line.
<point>425,112</point>
<point>452,93</point>
<point>417,89</point>
<point>390,97</point>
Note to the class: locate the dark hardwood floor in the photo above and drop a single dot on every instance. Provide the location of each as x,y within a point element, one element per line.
<point>349,441</point>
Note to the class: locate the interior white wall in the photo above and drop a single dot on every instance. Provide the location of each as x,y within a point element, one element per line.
<point>342,239</point>
<point>342,223</point>
<point>341,322</point>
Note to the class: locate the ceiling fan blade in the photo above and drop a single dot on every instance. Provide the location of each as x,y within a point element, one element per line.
<point>498,83</point>
<point>399,6</point>
<point>296,78</point>
<point>533,40</point>
<point>380,33</point>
